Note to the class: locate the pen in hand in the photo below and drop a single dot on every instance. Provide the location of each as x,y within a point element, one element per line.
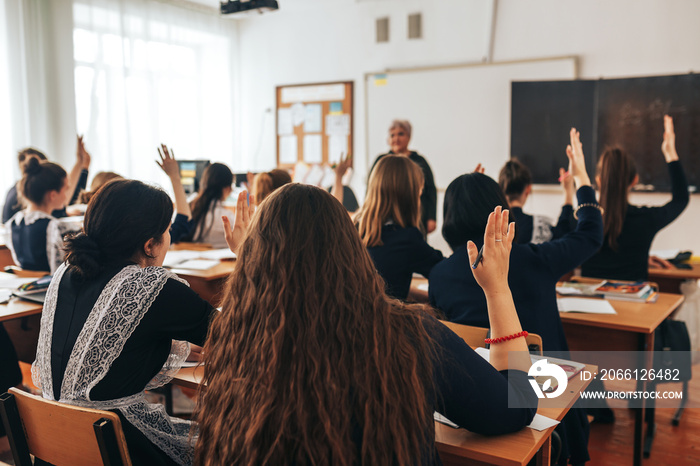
<point>478,258</point>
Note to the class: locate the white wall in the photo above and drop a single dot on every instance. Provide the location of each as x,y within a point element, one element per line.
<point>327,40</point>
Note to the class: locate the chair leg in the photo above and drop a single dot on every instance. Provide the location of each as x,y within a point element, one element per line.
<point>650,418</point>
<point>14,430</point>
<point>677,417</point>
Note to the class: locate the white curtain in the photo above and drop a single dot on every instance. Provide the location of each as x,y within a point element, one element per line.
<point>148,72</point>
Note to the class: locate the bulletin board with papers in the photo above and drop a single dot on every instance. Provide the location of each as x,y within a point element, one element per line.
<point>314,123</point>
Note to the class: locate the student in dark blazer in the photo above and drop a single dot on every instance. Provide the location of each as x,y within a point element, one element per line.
<point>515,180</point>
<point>399,137</point>
<point>534,271</point>
<point>388,224</point>
<point>629,230</point>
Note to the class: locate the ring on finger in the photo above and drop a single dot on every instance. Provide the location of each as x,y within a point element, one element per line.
<point>498,240</point>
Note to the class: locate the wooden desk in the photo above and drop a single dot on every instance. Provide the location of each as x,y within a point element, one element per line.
<point>208,283</point>
<point>459,446</point>
<point>670,280</point>
<point>5,255</point>
<point>18,308</point>
<point>631,329</point>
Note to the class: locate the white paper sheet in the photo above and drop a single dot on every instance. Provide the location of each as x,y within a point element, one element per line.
<point>298,114</point>
<point>12,281</point>
<point>312,118</point>
<point>198,264</point>
<point>288,149</point>
<point>540,422</point>
<point>667,254</point>
<point>174,258</point>
<point>338,125</point>
<point>588,306</point>
<point>284,122</point>
<point>337,147</point>
<point>312,148</point>
<point>217,254</point>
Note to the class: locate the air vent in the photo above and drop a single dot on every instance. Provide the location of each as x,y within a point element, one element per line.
<point>415,26</point>
<point>382,30</point>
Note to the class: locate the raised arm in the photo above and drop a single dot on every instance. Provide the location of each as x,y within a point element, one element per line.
<point>245,208</point>
<point>668,146</point>
<point>491,273</point>
<point>340,170</point>
<point>78,174</point>
<point>169,165</point>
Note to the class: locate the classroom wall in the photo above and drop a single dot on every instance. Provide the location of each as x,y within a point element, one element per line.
<point>315,41</point>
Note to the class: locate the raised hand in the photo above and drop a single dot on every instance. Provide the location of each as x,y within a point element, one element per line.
<point>82,155</point>
<point>492,272</point>
<point>566,180</point>
<point>167,161</point>
<point>479,169</point>
<point>668,146</point>
<point>342,167</point>
<point>577,162</point>
<point>244,211</point>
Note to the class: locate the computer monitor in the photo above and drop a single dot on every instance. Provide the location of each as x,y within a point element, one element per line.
<point>191,172</point>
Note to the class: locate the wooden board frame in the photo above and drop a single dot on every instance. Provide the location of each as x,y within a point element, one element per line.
<point>298,130</point>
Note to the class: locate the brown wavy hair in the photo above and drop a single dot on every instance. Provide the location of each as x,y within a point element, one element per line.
<point>616,171</point>
<point>309,362</point>
<point>393,194</point>
<point>265,183</point>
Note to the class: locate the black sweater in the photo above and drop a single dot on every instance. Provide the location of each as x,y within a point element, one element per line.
<point>631,259</point>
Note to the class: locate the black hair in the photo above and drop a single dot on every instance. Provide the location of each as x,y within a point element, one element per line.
<point>513,178</point>
<point>469,200</point>
<point>39,178</point>
<point>120,218</point>
<point>215,179</point>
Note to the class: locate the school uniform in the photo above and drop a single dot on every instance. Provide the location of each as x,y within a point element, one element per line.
<point>35,239</point>
<point>533,273</point>
<point>630,261</point>
<point>403,252</point>
<point>428,198</point>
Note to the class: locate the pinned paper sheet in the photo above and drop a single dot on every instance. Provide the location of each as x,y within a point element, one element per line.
<point>312,148</point>
<point>298,113</point>
<point>588,306</point>
<point>338,125</point>
<point>337,147</point>
<point>288,149</point>
<point>284,122</point>
<point>312,118</point>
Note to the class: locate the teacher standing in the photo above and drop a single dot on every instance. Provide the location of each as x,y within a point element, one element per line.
<point>399,137</point>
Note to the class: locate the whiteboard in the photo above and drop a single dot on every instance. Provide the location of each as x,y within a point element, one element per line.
<point>460,115</point>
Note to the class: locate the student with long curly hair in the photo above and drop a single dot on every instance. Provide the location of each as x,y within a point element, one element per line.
<point>389,222</point>
<point>310,362</point>
<point>629,230</point>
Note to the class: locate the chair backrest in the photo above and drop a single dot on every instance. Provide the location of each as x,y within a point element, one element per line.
<point>20,272</point>
<point>61,434</point>
<point>475,336</point>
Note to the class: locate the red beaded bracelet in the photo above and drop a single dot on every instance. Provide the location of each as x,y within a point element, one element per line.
<point>490,341</point>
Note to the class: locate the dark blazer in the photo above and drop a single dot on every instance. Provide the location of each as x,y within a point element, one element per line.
<point>404,251</point>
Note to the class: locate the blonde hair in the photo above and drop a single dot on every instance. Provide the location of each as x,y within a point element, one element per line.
<point>393,194</point>
<point>266,183</point>
<point>100,179</point>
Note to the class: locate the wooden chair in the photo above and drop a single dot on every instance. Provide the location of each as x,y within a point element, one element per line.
<point>20,272</point>
<point>475,336</point>
<point>61,434</point>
